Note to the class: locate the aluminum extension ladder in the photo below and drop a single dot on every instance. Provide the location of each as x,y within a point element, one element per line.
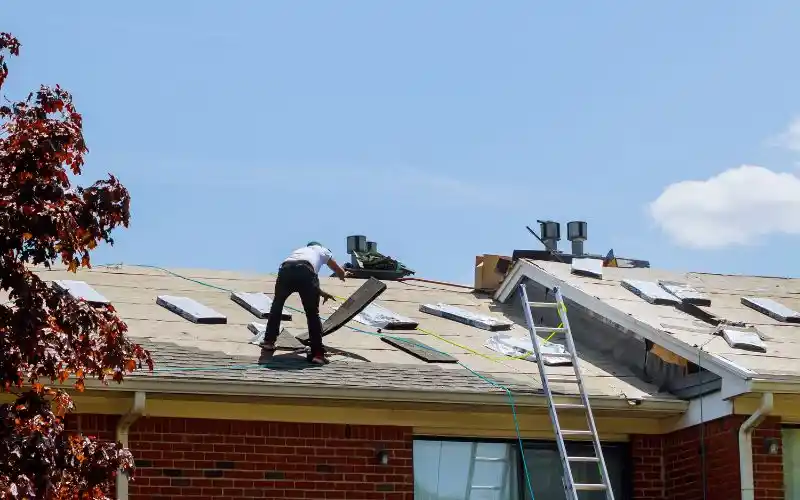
<point>498,489</point>
<point>570,486</point>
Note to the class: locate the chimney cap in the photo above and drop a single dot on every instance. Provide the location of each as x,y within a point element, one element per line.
<point>577,230</point>
<point>550,230</point>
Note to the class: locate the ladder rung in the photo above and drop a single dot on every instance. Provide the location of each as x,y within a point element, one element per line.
<point>556,355</point>
<point>550,329</point>
<point>543,304</point>
<point>576,433</point>
<point>490,459</point>
<point>583,459</point>
<point>566,380</point>
<point>568,406</point>
<point>485,487</point>
<point>590,487</point>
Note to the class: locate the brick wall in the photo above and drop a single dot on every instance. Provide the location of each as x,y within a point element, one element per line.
<point>670,467</point>
<point>195,458</point>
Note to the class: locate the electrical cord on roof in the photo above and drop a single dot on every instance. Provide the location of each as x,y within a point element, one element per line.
<point>509,394</point>
<point>703,477</point>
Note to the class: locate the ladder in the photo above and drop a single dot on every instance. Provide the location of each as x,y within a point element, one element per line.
<point>498,490</point>
<point>570,486</point>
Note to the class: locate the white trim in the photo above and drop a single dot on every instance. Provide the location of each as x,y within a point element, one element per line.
<point>124,425</point>
<point>746,445</point>
<point>704,409</point>
<point>265,390</point>
<point>535,273</point>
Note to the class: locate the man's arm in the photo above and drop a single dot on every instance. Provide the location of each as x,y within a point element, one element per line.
<point>336,268</point>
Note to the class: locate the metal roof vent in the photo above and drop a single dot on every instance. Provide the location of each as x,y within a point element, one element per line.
<point>551,233</point>
<point>356,243</point>
<point>577,233</point>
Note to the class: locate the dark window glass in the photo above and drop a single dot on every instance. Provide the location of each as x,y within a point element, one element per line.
<point>544,467</point>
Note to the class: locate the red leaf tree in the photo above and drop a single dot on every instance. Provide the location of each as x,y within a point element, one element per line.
<point>45,335</point>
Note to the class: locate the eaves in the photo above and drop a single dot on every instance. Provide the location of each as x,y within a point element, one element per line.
<point>339,394</point>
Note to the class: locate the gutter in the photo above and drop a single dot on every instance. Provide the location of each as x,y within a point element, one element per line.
<point>124,425</point>
<point>746,445</point>
<point>164,385</point>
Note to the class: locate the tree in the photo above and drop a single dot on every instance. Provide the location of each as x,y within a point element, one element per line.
<point>45,335</point>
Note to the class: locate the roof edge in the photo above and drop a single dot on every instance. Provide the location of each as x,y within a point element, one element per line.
<point>525,268</point>
<point>262,390</point>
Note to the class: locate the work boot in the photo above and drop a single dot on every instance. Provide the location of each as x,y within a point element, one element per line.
<point>318,359</point>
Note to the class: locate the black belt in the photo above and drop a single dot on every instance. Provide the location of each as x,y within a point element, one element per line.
<point>302,263</point>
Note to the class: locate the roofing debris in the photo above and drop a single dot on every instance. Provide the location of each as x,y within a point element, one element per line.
<point>650,292</point>
<point>773,309</point>
<point>686,293</point>
<point>81,291</point>
<point>191,309</point>
<point>380,317</point>
<point>258,304</point>
<point>552,353</point>
<point>592,268</point>
<point>742,337</point>
<point>466,317</point>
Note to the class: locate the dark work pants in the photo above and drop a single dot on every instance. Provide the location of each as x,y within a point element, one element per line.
<point>301,278</point>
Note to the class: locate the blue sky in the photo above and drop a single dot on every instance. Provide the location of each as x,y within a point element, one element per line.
<point>439,129</point>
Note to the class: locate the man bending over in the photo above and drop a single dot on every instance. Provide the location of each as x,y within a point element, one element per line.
<point>300,273</point>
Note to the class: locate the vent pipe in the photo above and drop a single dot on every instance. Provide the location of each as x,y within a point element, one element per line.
<point>356,243</point>
<point>372,246</point>
<point>551,233</point>
<point>577,233</point>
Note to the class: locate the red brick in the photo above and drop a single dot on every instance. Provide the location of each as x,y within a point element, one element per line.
<point>670,467</point>
<point>192,450</point>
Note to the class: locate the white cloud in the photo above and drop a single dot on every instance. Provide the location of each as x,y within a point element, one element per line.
<point>790,138</point>
<point>736,207</point>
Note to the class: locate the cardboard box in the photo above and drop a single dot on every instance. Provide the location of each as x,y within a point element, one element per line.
<point>490,271</point>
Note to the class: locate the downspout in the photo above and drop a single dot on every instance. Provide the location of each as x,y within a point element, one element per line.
<point>123,427</point>
<point>746,445</point>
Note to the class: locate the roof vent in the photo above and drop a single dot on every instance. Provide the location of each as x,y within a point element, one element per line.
<point>577,233</point>
<point>551,233</point>
<point>366,262</point>
<point>356,243</point>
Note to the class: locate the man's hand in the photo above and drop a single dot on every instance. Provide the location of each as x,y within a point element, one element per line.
<point>325,296</point>
<point>336,268</point>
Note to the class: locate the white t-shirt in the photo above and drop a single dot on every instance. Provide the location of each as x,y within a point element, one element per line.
<point>315,255</point>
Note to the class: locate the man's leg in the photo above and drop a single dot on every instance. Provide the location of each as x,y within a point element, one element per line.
<point>283,288</point>
<point>309,294</point>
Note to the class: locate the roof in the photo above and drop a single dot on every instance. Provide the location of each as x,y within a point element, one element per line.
<point>676,330</point>
<point>187,351</point>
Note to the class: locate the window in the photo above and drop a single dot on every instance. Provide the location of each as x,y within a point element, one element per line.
<point>791,462</point>
<point>465,470</point>
<point>458,470</point>
<point>544,467</point>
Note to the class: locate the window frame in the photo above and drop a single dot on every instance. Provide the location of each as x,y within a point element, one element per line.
<point>522,486</point>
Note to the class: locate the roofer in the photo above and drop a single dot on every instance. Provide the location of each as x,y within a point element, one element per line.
<point>299,273</point>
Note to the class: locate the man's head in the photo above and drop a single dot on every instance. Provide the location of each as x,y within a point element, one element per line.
<point>313,243</point>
